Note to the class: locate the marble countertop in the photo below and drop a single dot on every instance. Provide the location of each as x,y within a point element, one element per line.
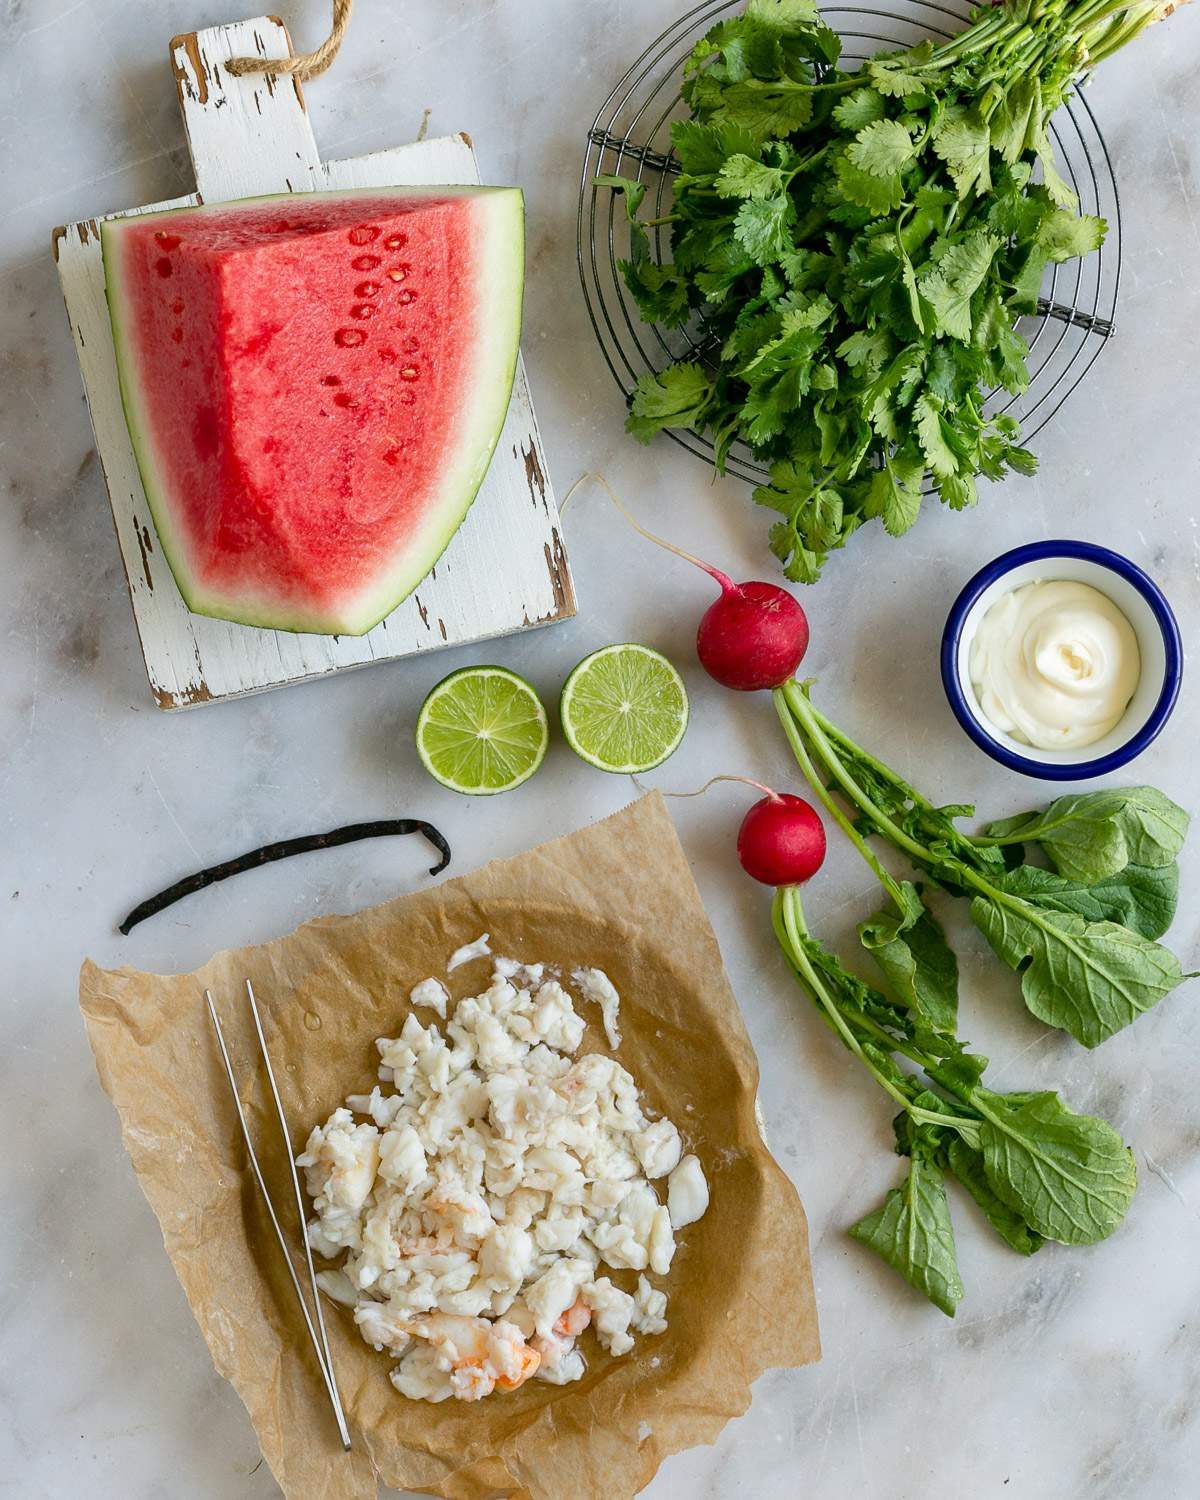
<point>1073,1375</point>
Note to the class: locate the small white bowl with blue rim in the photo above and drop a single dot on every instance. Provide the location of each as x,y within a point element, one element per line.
<point>1138,598</point>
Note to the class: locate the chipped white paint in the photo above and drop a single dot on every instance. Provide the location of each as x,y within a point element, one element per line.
<point>505,570</point>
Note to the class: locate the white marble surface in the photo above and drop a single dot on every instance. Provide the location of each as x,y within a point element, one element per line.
<point>1071,1376</point>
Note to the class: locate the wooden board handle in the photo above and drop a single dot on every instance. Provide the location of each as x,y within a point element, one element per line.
<point>247,135</point>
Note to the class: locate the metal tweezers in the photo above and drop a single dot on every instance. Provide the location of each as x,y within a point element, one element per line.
<point>320,1342</point>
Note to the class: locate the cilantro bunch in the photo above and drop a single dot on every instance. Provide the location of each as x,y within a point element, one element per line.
<point>852,252</point>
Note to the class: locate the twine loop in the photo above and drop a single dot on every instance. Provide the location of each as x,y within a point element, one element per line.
<point>302,65</point>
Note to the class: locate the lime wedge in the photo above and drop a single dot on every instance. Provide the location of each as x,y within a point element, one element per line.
<point>624,708</point>
<point>482,730</point>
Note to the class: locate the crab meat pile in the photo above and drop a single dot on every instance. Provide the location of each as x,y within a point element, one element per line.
<point>485,1185</point>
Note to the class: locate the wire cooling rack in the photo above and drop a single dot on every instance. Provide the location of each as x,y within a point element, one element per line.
<point>631,136</point>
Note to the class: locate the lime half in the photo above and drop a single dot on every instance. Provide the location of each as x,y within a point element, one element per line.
<point>482,730</point>
<point>624,708</point>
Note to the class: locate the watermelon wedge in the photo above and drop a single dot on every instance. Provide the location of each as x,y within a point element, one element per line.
<point>314,385</point>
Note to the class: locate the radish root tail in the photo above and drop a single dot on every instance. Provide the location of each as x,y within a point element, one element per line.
<point>597,478</point>
<point>712,780</point>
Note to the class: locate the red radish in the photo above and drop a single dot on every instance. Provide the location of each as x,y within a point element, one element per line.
<point>753,637</point>
<point>781,840</point>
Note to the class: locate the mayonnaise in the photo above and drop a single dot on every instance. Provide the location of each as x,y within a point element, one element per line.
<point>1054,664</point>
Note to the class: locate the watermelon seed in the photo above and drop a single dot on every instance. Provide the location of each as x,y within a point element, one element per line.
<point>330,380</point>
<point>163,266</point>
<point>365,262</point>
<point>392,456</point>
<point>167,241</point>
<point>177,305</point>
<point>387,355</point>
<point>349,338</point>
<point>398,273</point>
<point>362,310</point>
<point>363,234</point>
<point>406,295</point>
<point>367,289</point>
<point>344,398</point>
<point>396,241</point>
<point>408,373</point>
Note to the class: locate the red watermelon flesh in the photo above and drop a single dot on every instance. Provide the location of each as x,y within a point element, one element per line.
<point>314,386</point>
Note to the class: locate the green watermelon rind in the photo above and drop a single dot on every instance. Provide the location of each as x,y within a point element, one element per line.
<point>499,353</point>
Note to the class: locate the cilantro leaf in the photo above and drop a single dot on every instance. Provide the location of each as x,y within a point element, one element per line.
<point>742,177</point>
<point>932,435</point>
<point>675,397</point>
<point>899,77</point>
<point>1062,193</point>
<point>878,195</point>
<point>703,149</point>
<point>895,496</point>
<point>633,191</point>
<point>862,107</point>
<point>954,279</point>
<point>761,228</point>
<point>882,148</point>
<point>963,141</point>
<point>791,17</point>
<point>766,109</point>
<point>1064,236</point>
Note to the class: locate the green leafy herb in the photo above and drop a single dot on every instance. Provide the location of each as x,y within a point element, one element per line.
<point>905,193</point>
<point>913,1233</point>
<point>1036,1169</point>
<point>1082,940</point>
<point>1091,835</point>
<point>1138,897</point>
<point>917,961</point>
<point>1070,1176</point>
<point>1089,978</point>
<point>683,391</point>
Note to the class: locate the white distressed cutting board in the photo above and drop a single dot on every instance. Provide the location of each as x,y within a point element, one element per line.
<point>506,569</point>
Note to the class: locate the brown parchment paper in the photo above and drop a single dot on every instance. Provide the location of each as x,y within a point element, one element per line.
<point>618,895</point>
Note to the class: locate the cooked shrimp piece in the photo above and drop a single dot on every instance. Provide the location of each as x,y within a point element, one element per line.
<point>480,1355</point>
<point>574,1320</point>
<point>529,1360</point>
